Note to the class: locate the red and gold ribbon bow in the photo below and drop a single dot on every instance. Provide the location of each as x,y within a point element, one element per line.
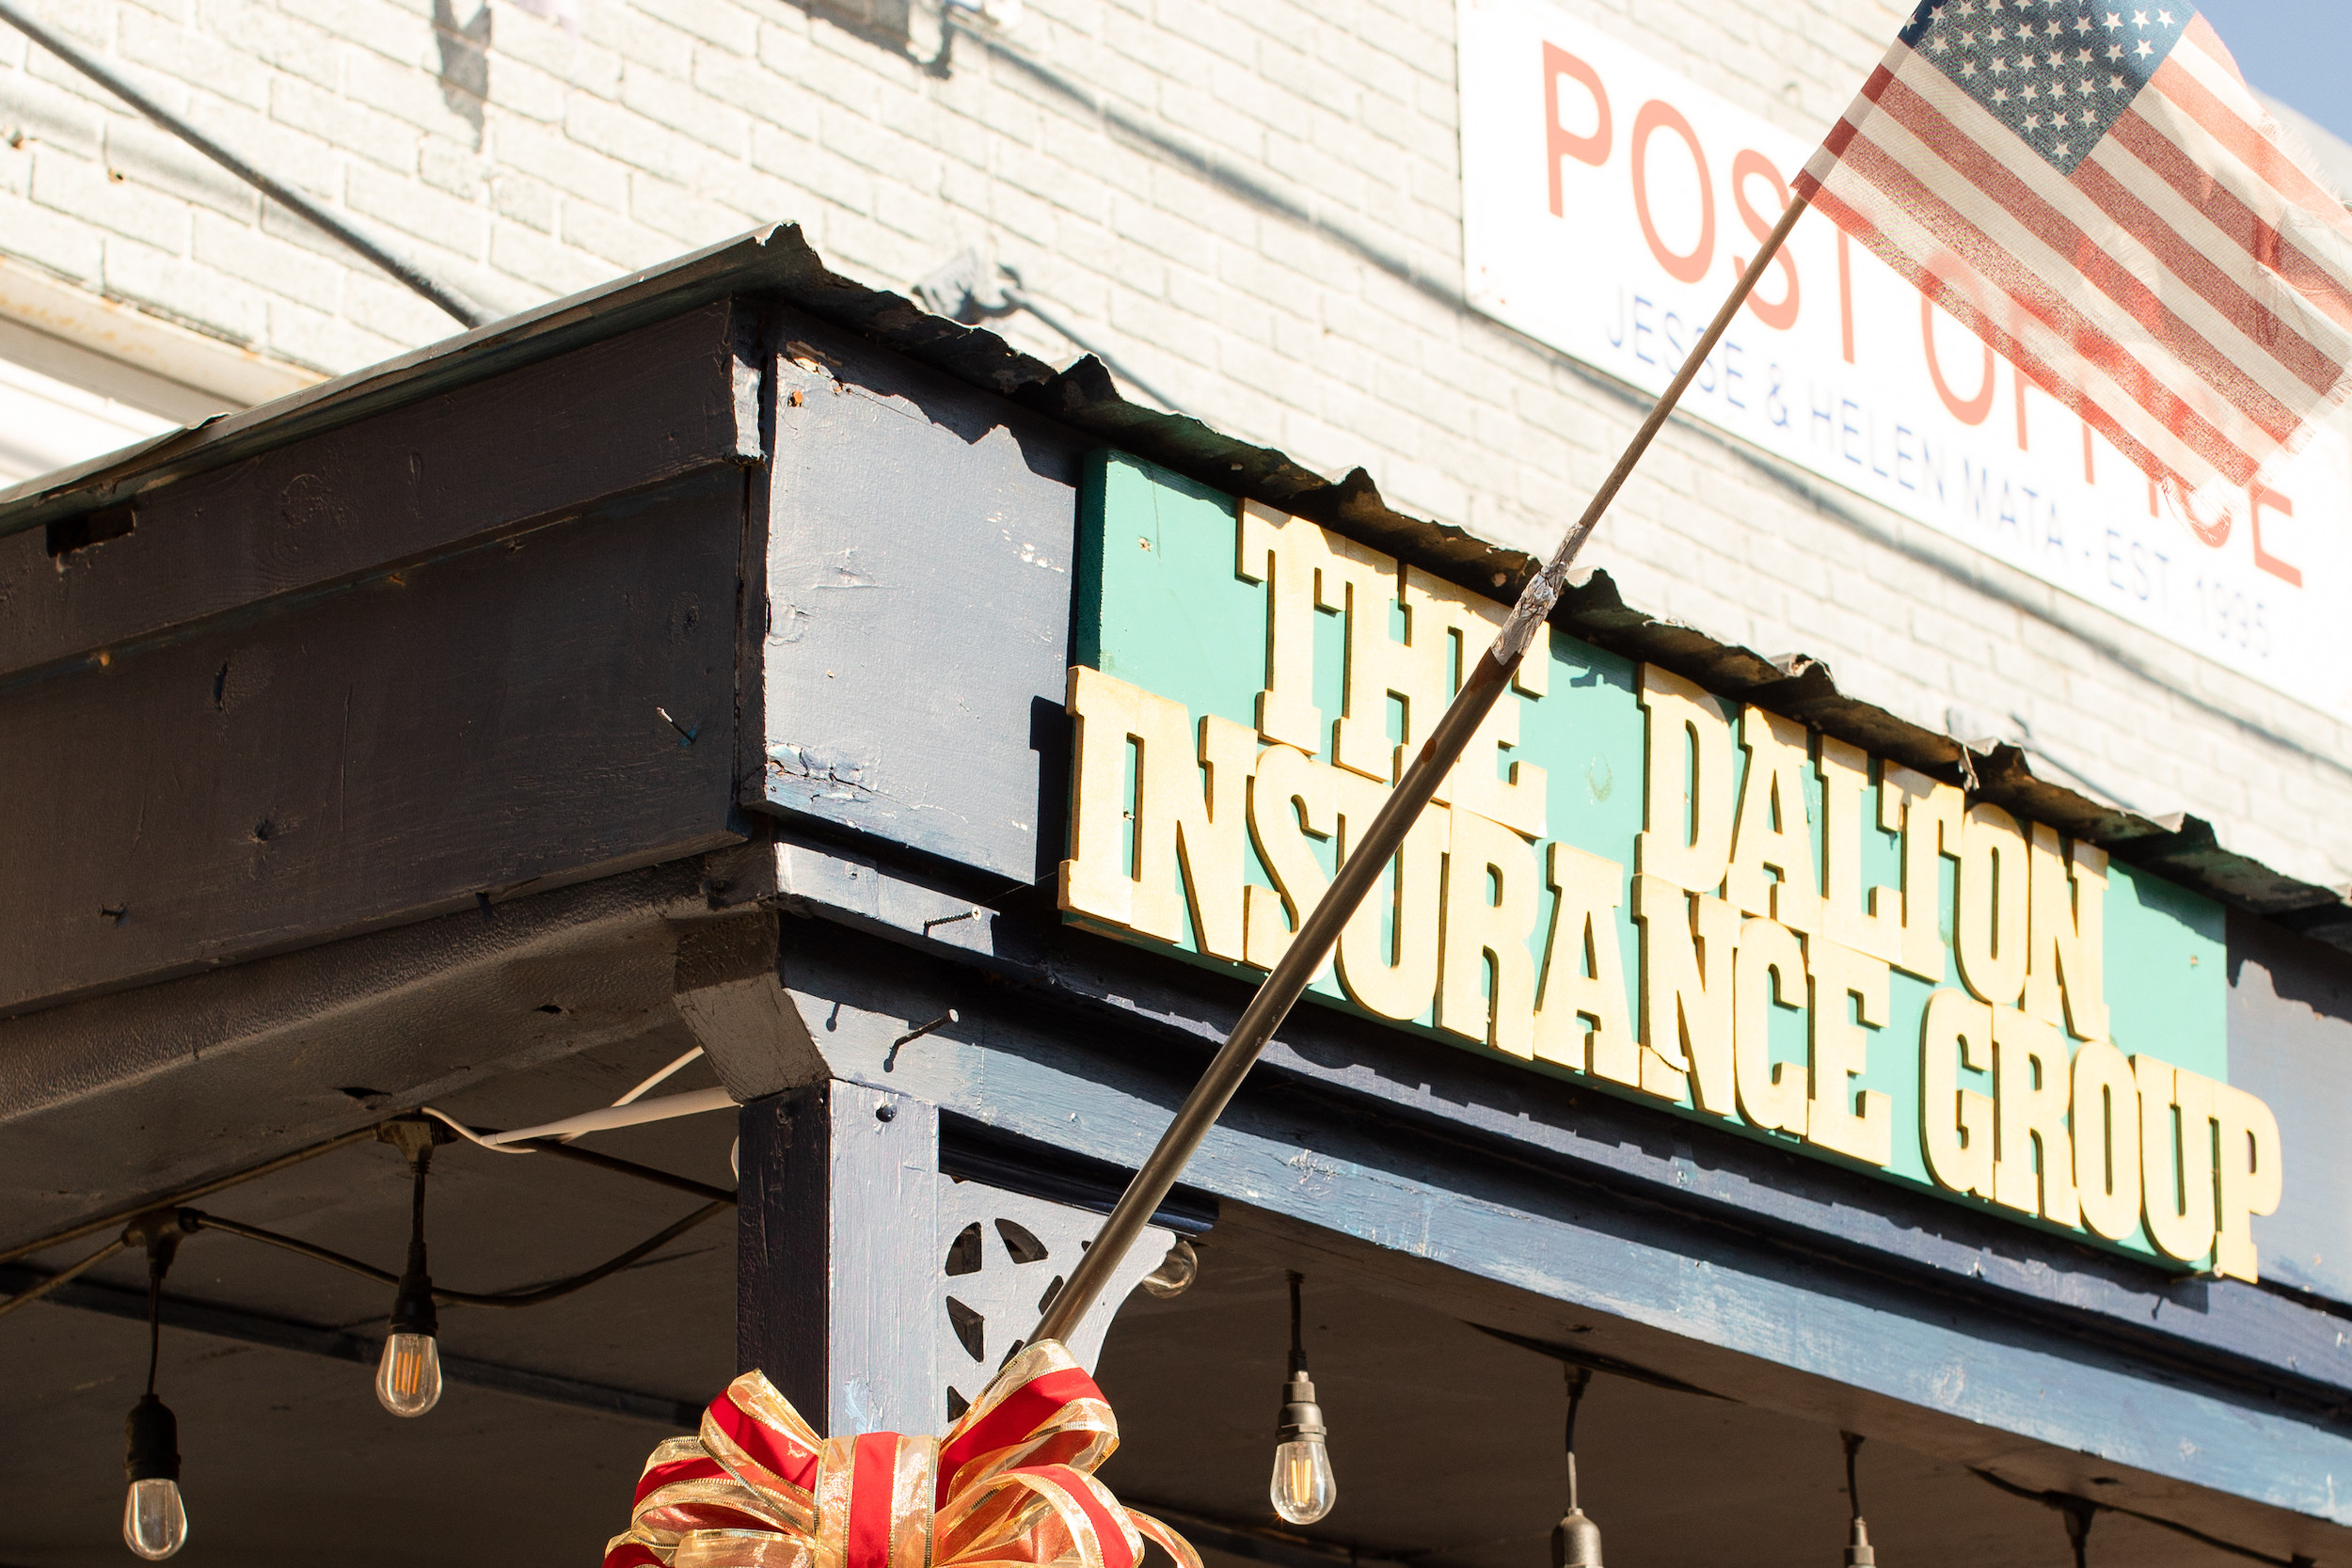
<point>1012,1483</point>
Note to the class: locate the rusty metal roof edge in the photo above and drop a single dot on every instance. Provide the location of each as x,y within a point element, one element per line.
<point>2185,849</point>
<point>778,261</point>
<point>775,256</point>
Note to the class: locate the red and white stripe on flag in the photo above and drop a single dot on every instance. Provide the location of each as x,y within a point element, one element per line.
<point>2093,189</point>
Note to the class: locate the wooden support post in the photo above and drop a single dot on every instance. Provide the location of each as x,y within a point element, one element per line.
<point>838,1262</point>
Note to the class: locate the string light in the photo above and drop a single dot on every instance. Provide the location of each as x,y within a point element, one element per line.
<point>1303,1488</point>
<point>1858,1552</point>
<point>408,1378</point>
<point>1575,1540</point>
<point>154,1519</point>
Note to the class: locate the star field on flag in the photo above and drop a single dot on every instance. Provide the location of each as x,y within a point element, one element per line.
<point>2093,190</point>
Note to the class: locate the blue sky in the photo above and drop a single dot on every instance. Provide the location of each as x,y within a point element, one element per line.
<point>2297,51</point>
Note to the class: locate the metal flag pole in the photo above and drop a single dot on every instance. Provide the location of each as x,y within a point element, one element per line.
<point>1368,861</point>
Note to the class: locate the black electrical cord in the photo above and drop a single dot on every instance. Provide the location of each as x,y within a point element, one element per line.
<point>187,1194</point>
<point>271,1237</point>
<point>2080,1511</point>
<point>370,1134</point>
<point>1859,1552</point>
<point>1580,1379</point>
<point>630,1167</point>
<point>718,1199</point>
<point>154,1323</point>
<point>2078,1533</point>
<point>532,1296</point>
<point>565,1287</point>
<point>62,1276</point>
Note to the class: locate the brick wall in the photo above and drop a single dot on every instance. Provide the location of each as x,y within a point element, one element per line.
<point>1253,206</point>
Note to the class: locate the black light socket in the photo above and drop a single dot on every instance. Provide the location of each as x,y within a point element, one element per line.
<point>152,1435</point>
<point>412,1299</point>
<point>412,1302</point>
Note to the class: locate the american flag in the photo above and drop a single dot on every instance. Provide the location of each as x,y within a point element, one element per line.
<point>2093,190</point>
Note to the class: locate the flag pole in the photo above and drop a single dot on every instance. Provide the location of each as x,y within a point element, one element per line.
<point>1368,861</point>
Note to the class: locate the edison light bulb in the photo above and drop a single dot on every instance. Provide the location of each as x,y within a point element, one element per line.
<point>154,1525</point>
<point>1303,1489</point>
<point>408,1379</point>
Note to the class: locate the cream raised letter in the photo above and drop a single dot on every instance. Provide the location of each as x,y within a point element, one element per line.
<point>1774,833</point>
<point>1485,935</point>
<point>1098,879</point>
<point>1688,800</point>
<point>1956,1124</point>
<point>1364,584</point>
<point>2033,1167</point>
<point>2176,1129</point>
<point>1768,972</point>
<point>1583,978</point>
<point>1394,973</point>
<point>1876,925</point>
<point>2251,1180</point>
<point>1188,830</point>
<point>2107,1140</point>
<point>1292,799</point>
<point>1859,1126</point>
<point>1990,925</point>
<point>1928,814</point>
<point>1486,781</point>
<point>1687,939</point>
<point>1286,554</point>
<point>2068,933</point>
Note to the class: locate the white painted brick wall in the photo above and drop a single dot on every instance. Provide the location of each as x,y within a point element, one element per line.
<point>1254,204</point>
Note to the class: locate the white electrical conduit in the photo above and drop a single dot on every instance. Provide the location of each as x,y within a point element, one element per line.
<point>631,1098</point>
<point>620,1116</point>
<point>630,1110</point>
<point>634,1095</point>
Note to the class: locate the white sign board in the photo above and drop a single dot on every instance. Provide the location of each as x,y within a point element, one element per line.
<point>1609,206</point>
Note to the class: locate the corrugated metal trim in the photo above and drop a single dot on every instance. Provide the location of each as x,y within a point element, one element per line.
<point>778,263</point>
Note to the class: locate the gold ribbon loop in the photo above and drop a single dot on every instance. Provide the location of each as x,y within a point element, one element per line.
<point>1011,1485</point>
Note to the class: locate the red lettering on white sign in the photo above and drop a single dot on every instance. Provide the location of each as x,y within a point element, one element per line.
<point>2262,496</point>
<point>1592,149</point>
<point>1658,114</point>
<point>1750,165</point>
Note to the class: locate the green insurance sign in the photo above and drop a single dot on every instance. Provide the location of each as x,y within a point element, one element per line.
<point>1633,882</point>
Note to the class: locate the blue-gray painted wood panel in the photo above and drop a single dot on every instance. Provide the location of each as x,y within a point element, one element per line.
<point>917,604</point>
<point>918,587</point>
<point>2291,1045</point>
<point>838,1273</point>
<point>1714,1175</point>
<point>1738,1288</point>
